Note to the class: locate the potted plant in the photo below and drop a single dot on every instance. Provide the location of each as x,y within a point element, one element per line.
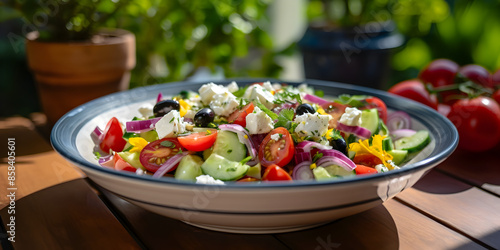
<point>349,41</point>
<point>73,60</point>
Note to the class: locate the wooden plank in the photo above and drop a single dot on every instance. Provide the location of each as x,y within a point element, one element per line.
<point>67,216</point>
<point>37,166</point>
<point>388,226</point>
<point>465,208</point>
<point>479,169</point>
<point>159,232</point>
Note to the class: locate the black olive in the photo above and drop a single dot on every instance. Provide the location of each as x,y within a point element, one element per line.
<point>163,107</point>
<point>304,108</point>
<point>203,117</point>
<point>339,144</point>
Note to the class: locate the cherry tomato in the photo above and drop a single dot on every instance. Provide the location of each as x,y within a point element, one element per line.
<point>239,116</point>
<point>496,96</point>
<point>157,152</point>
<point>335,110</point>
<point>367,160</point>
<point>478,123</point>
<point>113,137</point>
<point>414,89</point>
<point>276,173</point>
<point>477,74</point>
<point>198,141</point>
<point>362,169</point>
<point>278,152</point>
<point>440,72</point>
<point>121,164</point>
<point>375,102</point>
<point>248,179</point>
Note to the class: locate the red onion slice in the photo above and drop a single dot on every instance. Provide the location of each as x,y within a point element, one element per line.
<point>303,171</point>
<point>159,98</point>
<point>140,126</point>
<point>398,120</point>
<point>169,165</point>
<point>337,158</point>
<point>96,135</point>
<point>315,99</point>
<point>306,146</point>
<point>302,157</point>
<point>356,130</point>
<point>107,161</point>
<point>400,133</point>
<point>243,136</point>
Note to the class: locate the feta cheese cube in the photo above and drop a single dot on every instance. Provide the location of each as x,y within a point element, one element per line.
<point>232,87</point>
<point>207,179</point>
<point>170,125</point>
<point>259,122</point>
<point>381,168</point>
<point>224,104</point>
<point>257,92</point>
<point>304,88</point>
<point>351,117</point>
<point>314,125</point>
<point>267,85</point>
<point>209,90</point>
<point>146,110</point>
<point>275,137</point>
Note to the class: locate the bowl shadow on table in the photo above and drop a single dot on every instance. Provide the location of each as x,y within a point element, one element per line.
<point>353,232</point>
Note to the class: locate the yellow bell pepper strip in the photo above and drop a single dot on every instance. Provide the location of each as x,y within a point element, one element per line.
<point>138,144</point>
<point>364,147</point>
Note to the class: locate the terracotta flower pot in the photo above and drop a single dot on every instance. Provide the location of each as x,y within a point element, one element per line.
<point>71,73</point>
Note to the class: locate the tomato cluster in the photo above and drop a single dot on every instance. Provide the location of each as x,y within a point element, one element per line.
<point>468,95</point>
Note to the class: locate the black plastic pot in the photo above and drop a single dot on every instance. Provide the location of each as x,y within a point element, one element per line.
<point>359,55</point>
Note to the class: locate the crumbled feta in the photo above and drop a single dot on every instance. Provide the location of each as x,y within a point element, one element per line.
<point>224,104</point>
<point>259,122</point>
<point>209,90</point>
<point>257,92</point>
<point>276,137</point>
<point>207,179</point>
<point>381,168</point>
<point>232,87</point>
<point>304,88</point>
<point>170,125</point>
<point>190,114</point>
<point>276,86</point>
<point>351,117</point>
<point>394,166</point>
<point>314,125</point>
<point>267,85</point>
<point>146,110</point>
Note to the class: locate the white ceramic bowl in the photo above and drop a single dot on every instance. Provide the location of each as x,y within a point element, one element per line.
<point>248,207</point>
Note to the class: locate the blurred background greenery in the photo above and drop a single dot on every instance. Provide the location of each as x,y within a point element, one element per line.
<point>233,38</point>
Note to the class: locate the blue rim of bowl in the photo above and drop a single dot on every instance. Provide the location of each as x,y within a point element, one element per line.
<point>64,132</point>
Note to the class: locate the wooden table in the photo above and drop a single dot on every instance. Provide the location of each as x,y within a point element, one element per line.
<point>455,206</point>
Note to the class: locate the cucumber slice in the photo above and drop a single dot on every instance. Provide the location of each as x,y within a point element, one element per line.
<point>320,173</point>
<point>369,120</point>
<point>382,128</point>
<point>229,146</point>
<point>132,158</point>
<point>413,143</point>
<point>337,171</point>
<point>387,144</point>
<point>398,156</point>
<point>255,171</point>
<point>223,169</point>
<point>189,168</point>
<point>149,135</point>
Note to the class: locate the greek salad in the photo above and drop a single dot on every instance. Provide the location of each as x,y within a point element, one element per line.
<point>261,132</point>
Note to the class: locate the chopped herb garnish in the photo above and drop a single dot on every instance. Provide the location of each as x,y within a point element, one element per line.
<point>285,119</point>
<point>128,149</point>
<point>240,92</point>
<point>171,120</point>
<point>319,93</point>
<point>353,101</point>
<point>246,160</point>
<point>167,144</point>
<point>97,155</point>
<point>270,113</point>
<point>128,135</point>
<point>317,156</point>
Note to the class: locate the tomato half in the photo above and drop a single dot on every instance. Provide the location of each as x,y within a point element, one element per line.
<point>239,116</point>
<point>414,89</point>
<point>367,160</point>
<point>279,152</point>
<point>158,152</point>
<point>336,110</point>
<point>113,137</point>
<point>121,164</point>
<point>362,169</point>
<point>198,141</point>
<point>478,123</point>
<point>375,102</point>
<point>276,173</point>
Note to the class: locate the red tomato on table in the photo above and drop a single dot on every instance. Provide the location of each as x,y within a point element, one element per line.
<point>279,152</point>
<point>478,123</point>
<point>414,89</point>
